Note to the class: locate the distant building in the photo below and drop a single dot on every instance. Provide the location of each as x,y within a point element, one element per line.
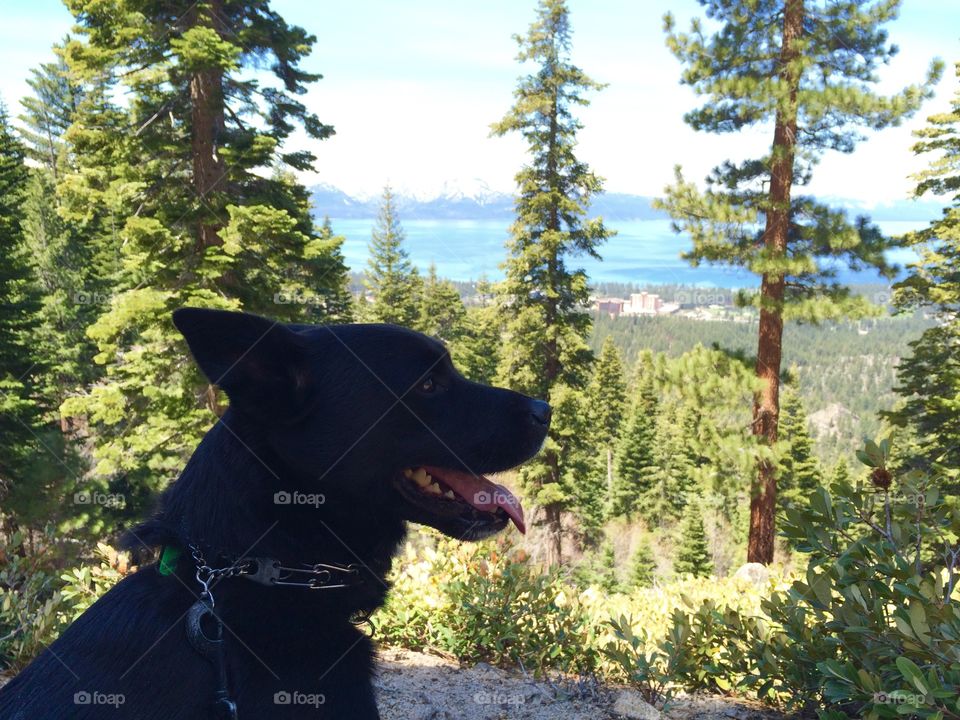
<point>611,306</point>
<point>641,303</point>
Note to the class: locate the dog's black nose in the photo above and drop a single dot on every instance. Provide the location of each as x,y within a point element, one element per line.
<point>540,412</point>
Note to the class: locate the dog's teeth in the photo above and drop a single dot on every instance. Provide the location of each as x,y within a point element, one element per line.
<point>408,473</point>
<point>421,478</point>
<point>433,489</point>
<point>449,494</point>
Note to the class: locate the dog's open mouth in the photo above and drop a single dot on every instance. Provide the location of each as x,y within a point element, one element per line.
<point>470,498</point>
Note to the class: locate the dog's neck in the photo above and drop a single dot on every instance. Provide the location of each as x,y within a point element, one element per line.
<point>225,502</point>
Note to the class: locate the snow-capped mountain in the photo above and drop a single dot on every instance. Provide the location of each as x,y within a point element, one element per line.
<point>471,199</point>
<point>474,199</point>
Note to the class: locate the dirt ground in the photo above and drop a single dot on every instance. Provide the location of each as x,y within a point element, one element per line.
<point>417,686</point>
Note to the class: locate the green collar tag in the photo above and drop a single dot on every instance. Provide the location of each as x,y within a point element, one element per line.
<point>168,559</point>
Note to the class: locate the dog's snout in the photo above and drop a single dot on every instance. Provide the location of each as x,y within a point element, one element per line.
<point>540,412</point>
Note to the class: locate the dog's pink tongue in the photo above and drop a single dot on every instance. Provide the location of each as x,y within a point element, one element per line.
<point>481,493</point>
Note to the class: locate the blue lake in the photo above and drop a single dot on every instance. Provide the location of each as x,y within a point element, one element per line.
<point>642,252</point>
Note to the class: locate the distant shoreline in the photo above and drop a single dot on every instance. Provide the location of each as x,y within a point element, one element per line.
<point>643,253</point>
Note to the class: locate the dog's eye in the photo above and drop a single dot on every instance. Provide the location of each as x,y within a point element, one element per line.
<point>428,385</point>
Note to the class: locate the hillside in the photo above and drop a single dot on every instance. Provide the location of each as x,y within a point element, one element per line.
<point>846,371</point>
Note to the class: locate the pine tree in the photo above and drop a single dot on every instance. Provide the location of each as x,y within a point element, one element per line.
<point>606,402</point>
<point>325,255</point>
<point>171,191</point>
<point>391,277</point>
<point>806,67</point>
<point>69,296</point>
<point>569,448</point>
<point>676,459</point>
<point>643,565</point>
<point>799,472</point>
<point>544,298</point>
<point>929,380</point>
<point>693,552</point>
<point>840,474</point>
<point>715,388</point>
<point>441,313</point>
<point>19,413</point>
<point>635,465</point>
<point>476,352</point>
<point>49,112</point>
<point>61,253</point>
<point>607,571</point>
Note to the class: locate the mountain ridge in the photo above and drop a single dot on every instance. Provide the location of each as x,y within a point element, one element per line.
<point>454,202</point>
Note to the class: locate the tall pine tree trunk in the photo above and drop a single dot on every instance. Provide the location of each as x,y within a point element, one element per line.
<point>766,409</point>
<point>609,470</point>
<point>554,512</point>
<point>207,126</point>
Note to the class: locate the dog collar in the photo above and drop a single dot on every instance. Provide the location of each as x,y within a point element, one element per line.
<point>266,571</point>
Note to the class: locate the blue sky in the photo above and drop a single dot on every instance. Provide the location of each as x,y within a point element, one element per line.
<point>413,87</point>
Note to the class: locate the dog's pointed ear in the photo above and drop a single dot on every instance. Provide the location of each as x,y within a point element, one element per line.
<point>255,360</point>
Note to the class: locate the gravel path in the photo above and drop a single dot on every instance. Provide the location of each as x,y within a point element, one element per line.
<point>417,686</point>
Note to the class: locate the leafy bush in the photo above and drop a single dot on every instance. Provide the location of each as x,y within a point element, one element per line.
<point>508,612</point>
<point>703,650</point>
<point>485,602</point>
<point>37,603</point>
<point>30,602</point>
<point>873,629</point>
<point>87,583</point>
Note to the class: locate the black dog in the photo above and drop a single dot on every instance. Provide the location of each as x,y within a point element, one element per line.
<point>335,436</point>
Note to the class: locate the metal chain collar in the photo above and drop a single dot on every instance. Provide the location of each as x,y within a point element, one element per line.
<point>270,572</point>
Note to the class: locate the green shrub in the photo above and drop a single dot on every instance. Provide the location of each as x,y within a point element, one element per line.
<point>873,629</point>
<point>30,602</point>
<point>487,602</point>
<point>704,650</point>
<point>37,602</point>
<point>515,614</point>
<point>643,566</point>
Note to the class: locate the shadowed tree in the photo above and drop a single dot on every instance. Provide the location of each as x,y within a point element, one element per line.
<point>19,414</point>
<point>805,69</point>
